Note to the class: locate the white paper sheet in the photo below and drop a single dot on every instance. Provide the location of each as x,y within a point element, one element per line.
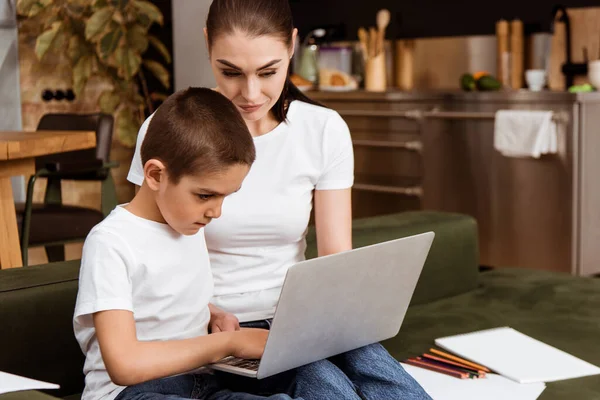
<point>517,356</point>
<point>493,387</point>
<point>15,383</point>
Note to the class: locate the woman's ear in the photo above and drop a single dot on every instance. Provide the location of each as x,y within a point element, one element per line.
<point>294,35</point>
<point>154,173</point>
<point>206,40</point>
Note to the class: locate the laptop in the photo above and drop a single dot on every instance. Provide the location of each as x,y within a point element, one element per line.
<point>333,304</point>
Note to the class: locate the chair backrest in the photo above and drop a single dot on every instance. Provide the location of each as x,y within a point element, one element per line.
<point>100,123</point>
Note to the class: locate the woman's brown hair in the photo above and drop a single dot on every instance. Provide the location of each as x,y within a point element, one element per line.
<point>258,18</point>
<point>197,131</point>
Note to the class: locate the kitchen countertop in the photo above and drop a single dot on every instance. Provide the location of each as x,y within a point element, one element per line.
<point>524,96</point>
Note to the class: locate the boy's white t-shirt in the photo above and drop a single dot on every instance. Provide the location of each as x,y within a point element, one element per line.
<point>163,277</point>
<point>262,228</point>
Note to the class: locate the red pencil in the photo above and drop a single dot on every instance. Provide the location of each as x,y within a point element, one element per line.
<point>442,370</point>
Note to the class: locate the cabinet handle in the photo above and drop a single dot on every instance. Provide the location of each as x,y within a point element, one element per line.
<point>413,145</point>
<point>415,191</point>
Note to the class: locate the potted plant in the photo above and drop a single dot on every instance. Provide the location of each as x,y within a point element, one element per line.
<point>106,39</point>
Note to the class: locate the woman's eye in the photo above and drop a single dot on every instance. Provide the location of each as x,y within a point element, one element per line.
<point>268,74</point>
<point>231,74</point>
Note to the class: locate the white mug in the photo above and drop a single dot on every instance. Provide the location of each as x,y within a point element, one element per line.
<point>536,79</point>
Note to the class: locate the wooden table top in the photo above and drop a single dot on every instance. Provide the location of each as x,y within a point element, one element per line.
<point>21,144</point>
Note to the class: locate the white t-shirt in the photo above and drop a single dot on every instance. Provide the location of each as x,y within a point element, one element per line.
<point>131,263</point>
<point>262,228</point>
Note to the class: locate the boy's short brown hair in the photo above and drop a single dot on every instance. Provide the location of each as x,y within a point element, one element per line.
<point>197,131</point>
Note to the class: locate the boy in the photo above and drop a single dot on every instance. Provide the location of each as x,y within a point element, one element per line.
<point>142,313</point>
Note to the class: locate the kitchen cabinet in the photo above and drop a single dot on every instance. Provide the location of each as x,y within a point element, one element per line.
<point>434,151</point>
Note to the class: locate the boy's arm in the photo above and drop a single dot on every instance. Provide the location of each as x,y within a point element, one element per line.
<point>129,361</point>
<point>222,321</point>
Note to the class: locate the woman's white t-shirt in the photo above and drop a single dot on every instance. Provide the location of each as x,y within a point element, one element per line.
<point>262,228</point>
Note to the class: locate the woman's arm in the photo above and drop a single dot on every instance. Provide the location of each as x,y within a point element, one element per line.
<point>130,361</point>
<point>333,220</point>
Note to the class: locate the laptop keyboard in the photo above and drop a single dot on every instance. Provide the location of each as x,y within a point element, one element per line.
<point>252,365</point>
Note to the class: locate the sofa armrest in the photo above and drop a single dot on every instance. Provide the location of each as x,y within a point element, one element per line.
<point>453,262</point>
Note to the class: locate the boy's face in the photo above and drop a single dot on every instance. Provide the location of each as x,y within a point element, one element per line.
<point>195,200</point>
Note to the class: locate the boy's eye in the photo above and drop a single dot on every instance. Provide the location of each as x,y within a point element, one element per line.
<point>203,196</point>
<point>231,74</point>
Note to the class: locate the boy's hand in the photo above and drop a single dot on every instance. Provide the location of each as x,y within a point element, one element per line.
<point>249,343</point>
<point>224,322</point>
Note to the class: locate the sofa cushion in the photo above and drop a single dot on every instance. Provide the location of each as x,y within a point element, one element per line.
<point>453,261</point>
<point>37,332</point>
<point>558,309</point>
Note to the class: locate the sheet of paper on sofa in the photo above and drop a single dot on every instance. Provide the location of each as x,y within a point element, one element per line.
<point>517,356</point>
<point>493,387</point>
<point>15,383</point>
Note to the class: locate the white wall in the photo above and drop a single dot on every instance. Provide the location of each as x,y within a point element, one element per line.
<point>190,55</point>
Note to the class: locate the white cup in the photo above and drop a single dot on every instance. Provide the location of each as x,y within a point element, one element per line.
<point>594,73</point>
<point>536,79</point>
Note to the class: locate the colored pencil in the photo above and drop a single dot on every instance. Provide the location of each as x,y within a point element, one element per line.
<point>458,359</point>
<point>480,372</point>
<point>472,374</point>
<point>446,371</point>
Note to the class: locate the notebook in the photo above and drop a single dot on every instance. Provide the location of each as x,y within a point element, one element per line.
<point>517,356</point>
<point>15,383</point>
<point>493,387</point>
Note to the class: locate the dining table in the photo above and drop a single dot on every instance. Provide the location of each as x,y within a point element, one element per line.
<point>18,151</point>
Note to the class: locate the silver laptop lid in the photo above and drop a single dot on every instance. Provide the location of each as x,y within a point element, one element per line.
<point>333,304</point>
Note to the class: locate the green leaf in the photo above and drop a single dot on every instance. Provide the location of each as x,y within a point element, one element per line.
<point>100,4</point>
<point>150,10</point>
<point>44,41</point>
<point>143,20</point>
<point>24,6</point>
<point>137,38</point>
<point>162,49</point>
<point>158,71</point>
<point>127,127</point>
<point>120,4</point>
<point>97,23</point>
<point>109,42</point>
<point>76,49</point>
<point>81,73</point>
<point>128,62</point>
<point>109,101</point>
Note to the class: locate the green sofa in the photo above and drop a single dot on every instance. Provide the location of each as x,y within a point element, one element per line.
<point>36,305</point>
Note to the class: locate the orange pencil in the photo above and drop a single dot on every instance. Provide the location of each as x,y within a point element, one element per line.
<point>460,360</point>
<point>478,371</point>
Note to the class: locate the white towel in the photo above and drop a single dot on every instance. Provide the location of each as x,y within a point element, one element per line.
<point>521,133</point>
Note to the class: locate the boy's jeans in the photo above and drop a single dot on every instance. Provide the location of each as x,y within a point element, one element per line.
<point>369,372</point>
<point>206,386</point>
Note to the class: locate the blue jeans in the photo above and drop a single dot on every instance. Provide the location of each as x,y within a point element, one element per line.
<point>218,386</point>
<point>369,373</point>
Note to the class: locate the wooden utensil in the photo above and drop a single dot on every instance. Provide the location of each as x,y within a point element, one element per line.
<point>372,42</point>
<point>363,38</point>
<point>383,20</point>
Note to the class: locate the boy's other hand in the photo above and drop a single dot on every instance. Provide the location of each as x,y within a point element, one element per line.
<point>224,322</point>
<point>249,343</point>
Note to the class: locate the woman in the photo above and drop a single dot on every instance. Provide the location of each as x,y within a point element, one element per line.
<point>304,157</point>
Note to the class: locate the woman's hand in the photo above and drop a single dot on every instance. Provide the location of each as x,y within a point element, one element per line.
<point>222,321</point>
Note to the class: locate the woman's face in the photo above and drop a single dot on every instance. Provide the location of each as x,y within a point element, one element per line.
<point>251,72</point>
